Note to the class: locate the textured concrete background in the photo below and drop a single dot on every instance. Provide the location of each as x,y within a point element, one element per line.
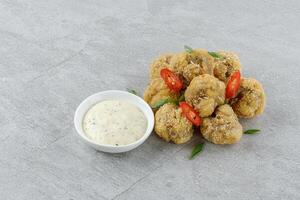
<point>55,53</point>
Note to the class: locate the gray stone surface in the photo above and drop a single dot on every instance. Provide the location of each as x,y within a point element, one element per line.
<point>55,53</point>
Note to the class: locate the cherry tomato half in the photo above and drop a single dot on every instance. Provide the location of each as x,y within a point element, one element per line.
<point>189,112</point>
<point>172,80</point>
<point>233,84</point>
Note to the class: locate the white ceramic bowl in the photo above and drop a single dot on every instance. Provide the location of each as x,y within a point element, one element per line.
<point>113,95</point>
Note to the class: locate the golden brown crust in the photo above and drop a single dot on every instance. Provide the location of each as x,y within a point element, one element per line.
<point>190,65</point>
<point>250,100</point>
<point>170,125</point>
<point>205,79</point>
<point>157,90</point>
<point>205,93</point>
<point>226,66</point>
<point>158,64</point>
<point>224,128</point>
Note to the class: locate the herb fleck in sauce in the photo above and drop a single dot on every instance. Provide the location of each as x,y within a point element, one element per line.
<point>114,122</point>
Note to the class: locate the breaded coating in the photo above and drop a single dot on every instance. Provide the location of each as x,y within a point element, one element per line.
<point>157,90</point>
<point>171,125</point>
<point>224,128</point>
<point>225,66</point>
<point>190,65</point>
<point>250,100</point>
<point>158,64</point>
<point>205,93</point>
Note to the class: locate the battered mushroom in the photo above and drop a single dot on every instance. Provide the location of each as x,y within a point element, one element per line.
<point>157,90</point>
<point>192,64</point>
<point>226,65</point>
<point>205,93</point>
<point>171,125</point>
<point>224,128</point>
<point>161,62</point>
<point>250,100</point>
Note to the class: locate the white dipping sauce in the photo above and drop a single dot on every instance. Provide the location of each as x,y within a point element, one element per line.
<point>114,122</point>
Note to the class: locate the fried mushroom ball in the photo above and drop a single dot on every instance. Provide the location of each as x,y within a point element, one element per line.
<point>225,66</point>
<point>223,128</point>
<point>250,100</point>
<point>171,125</point>
<point>205,93</point>
<point>190,65</point>
<point>158,64</point>
<point>157,90</point>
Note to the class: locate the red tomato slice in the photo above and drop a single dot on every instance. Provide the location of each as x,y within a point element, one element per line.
<point>189,112</point>
<point>233,84</point>
<point>172,80</point>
